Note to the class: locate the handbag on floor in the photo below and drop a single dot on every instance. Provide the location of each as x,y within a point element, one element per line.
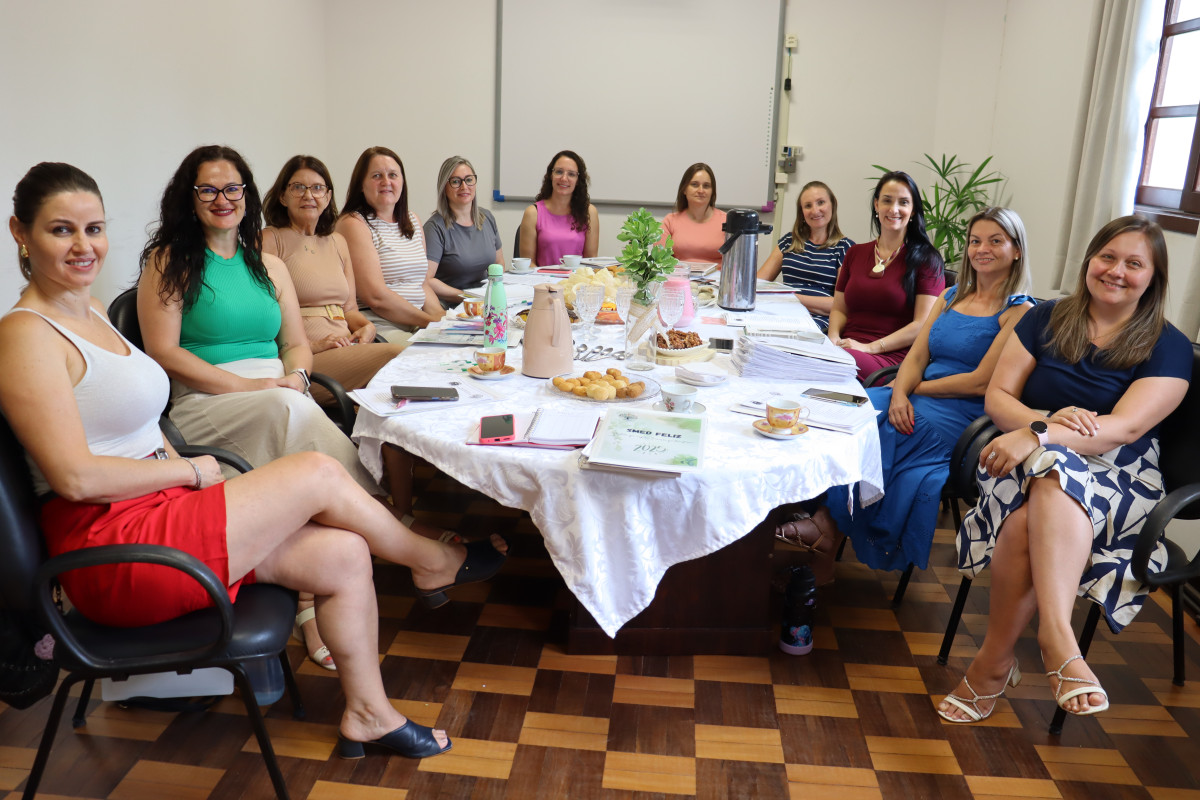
<point>25,677</point>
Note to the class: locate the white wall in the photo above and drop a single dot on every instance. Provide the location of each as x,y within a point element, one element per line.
<point>125,89</point>
<point>152,80</point>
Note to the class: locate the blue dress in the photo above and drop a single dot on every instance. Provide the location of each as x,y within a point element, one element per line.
<point>898,530</point>
<point>1117,489</point>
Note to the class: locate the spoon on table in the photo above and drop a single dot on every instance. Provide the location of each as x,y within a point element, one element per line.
<point>579,351</point>
<point>598,353</point>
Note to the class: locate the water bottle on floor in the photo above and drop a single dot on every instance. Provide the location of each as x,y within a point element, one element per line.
<point>800,600</point>
<point>266,677</point>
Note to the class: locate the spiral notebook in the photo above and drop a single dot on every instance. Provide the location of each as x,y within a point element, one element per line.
<point>556,430</point>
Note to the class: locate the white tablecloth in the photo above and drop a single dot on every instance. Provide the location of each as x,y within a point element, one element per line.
<point>613,535</point>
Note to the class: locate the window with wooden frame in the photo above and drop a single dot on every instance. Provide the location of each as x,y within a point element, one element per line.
<point>1169,180</point>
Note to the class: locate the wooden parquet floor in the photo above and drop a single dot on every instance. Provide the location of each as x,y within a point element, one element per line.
<point>854,719</point>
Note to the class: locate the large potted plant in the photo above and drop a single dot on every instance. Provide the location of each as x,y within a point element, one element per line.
<point>647,265</point>
<point>958,192</point>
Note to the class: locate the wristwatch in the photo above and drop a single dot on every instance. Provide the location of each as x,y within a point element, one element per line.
<point>303,376</point>
<point>1041,430</point>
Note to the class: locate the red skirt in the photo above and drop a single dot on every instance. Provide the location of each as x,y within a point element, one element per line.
<point>131,595</point>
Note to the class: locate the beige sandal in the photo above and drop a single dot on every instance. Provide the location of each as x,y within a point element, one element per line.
<point>321,657</point>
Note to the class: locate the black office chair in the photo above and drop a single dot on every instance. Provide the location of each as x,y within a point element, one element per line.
<point>1178,437</point>
<point>257,626</point>
<point>517,244</point>
<point>123,313</point>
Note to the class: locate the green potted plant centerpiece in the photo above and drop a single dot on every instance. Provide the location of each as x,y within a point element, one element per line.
<point>647,265</point>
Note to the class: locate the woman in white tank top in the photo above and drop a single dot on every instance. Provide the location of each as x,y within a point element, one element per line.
<point>73,414</point>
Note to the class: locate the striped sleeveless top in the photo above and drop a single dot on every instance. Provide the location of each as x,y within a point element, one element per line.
<point>401,260</point>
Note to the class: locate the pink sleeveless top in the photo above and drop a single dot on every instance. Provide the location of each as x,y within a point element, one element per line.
<point>555,238</point>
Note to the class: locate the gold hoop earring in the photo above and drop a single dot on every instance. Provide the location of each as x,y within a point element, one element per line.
<point>24,251</point>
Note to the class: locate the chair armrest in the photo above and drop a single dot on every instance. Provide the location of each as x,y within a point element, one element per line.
<point>170,431</point>
<point>964,459</point>
<point>224,456</point>
<point>129,553</point>
<point>880,374</point>
<point>344,417</point>
<point>1154,528</point>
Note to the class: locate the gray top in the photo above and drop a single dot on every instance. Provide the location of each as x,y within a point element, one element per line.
<point>462,252</point>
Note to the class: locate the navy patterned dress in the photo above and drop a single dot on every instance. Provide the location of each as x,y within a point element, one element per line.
<point>1117,489</point>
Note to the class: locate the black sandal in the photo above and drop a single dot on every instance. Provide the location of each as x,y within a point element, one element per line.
<point>410,739</point>
<point>483,561</point>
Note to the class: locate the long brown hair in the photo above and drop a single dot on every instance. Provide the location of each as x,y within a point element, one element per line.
<point>681,202</point>
<point>179,238</point>
<point>1018,281</point>
<point>356,201</point>
<point>802,230</point>
<point>1135,340</point>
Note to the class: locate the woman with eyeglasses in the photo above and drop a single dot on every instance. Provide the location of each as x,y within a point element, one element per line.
<point>563,221</point>
<point>461,239</point>
<point>300,212</point>
<point>392,273</point>
<point>221,318</point>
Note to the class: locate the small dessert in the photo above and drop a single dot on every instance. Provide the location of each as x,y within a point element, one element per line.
<point>678,340</point>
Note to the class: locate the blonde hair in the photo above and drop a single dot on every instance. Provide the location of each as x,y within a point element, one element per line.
<point>443,203</point>
<point>1019,281</point>
<point>1135,340</point>
<point>801,230</point>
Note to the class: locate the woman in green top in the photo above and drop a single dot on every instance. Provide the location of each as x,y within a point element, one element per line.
<point>223,321</point>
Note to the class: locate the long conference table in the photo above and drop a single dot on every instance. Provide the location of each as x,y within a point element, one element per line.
<point>657,565</point>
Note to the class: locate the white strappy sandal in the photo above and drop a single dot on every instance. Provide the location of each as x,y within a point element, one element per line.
<point>1088,687</point>
<point>971,707</point>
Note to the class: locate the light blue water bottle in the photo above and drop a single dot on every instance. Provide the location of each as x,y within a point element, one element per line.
<point>266,676</point>
<point>495,309</point>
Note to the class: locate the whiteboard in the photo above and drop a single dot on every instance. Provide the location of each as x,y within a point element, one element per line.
<point>640,89</point>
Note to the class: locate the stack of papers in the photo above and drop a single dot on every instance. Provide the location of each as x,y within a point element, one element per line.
<point>376,397</point>
<point>821,414</point>
<point>462,332</point>
<point>792,359</point>
<point>651,443</point>
<point>772,287</point>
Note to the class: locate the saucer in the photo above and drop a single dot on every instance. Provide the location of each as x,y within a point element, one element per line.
<point>701,384</point>
<point>766,430</point>
<point>464,315</point>
<point>697,408</point>
<point>504,372</point>
<point>529,271</point>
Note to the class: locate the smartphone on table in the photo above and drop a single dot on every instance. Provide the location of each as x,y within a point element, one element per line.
<point>844,398</point>
<point>417,394</point>
<point>496,429</point>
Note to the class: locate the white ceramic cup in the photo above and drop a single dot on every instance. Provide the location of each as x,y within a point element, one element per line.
<point>520,265</point>
<point>571,262</point>
<point>678,398</point>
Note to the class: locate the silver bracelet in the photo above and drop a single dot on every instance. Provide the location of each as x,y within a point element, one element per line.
<point>195,469</point>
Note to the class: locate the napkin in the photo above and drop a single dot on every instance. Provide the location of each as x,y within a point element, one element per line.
<point>701,373</point>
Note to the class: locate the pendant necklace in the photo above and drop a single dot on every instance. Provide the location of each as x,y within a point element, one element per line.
<point>880,262</point>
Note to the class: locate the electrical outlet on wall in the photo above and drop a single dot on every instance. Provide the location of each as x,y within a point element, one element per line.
<point>790,41</point>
